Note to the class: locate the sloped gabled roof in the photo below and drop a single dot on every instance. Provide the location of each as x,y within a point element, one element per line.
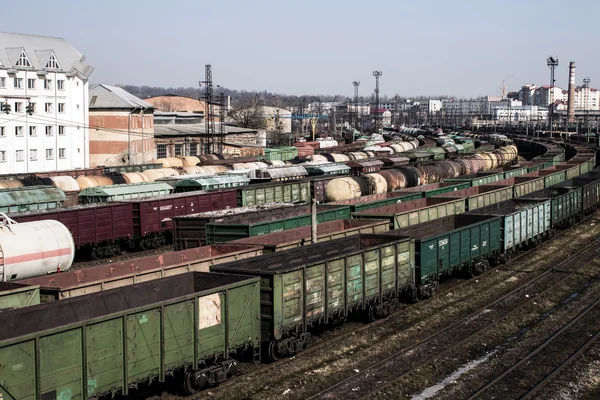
<point>38,50</point>
<point>107,96</point>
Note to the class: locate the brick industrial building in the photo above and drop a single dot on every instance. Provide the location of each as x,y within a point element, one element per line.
<point>121,128</point>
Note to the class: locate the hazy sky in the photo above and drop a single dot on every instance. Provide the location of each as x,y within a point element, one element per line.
<point>459,47</point>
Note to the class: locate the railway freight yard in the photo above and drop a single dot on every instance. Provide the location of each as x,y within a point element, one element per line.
<point>217,240</point>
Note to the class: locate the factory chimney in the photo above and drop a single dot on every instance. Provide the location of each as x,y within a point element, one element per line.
<point>571,100</point>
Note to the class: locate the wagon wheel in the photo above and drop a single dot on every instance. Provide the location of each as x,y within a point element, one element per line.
<point>273,353</point>
<point>189,383</point>
<point>372,314</point>
<point>97,253</point>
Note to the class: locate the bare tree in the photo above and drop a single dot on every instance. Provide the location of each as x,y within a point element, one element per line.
<point>248,113</point>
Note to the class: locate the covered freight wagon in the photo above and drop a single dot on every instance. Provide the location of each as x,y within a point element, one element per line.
<point>153,216</point>
<point>109,342</point>
<point>31,198</point>
<point>99,230</point>
<point>480,178</point>
<point>104,194</point>
<point>321,283</point>
<point>215,182</point>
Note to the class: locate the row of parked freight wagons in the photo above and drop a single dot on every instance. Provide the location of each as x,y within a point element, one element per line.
<point>262,306</point>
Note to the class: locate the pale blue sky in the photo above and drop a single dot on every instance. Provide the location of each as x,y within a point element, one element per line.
<point>459,47</point>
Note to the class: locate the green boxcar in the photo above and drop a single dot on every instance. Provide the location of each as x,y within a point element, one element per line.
<point>375,200</point>
<point>415,211</point>
<point>480,178</point>
<point>454,243</point>
<point>276,192</point>
<point>481,196</point>
<point>523,185</point>
<point>103,194</point>
<point>566,203</point>
<point>225,232</point>
<point>320,283</point>
<point>523,221</point>
<point>438,153</point>
<point>17,295</point>
<point>105,343</point>
<point>31,198</point>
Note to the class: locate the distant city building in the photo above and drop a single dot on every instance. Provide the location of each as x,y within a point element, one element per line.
<point>586,98</point>
<point>44,81</point>
<point>519,113</point>
<point>278,119</point>
<point>430,107</point>
<point>121,127</point>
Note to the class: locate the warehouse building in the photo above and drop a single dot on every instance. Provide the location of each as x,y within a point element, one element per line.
<point>121,127</point>
<point>44,97</point>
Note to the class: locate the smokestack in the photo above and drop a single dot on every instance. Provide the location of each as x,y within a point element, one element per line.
<point>571,101</point>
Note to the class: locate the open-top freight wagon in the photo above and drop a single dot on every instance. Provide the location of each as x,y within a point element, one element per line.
<point>325,282</point>
<point>190,326</point>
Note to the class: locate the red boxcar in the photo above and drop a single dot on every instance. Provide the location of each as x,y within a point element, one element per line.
<point>152,216</point>
<point>98,228</point>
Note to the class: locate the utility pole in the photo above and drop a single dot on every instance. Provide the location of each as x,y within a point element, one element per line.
<point>355,113</point>
<point>552,63</point>
<point>377,75</point>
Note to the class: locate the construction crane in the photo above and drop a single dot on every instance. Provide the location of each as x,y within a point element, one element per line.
<point>503,88</point>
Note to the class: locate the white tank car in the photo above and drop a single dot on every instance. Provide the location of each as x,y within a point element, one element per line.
<point>36,248</point>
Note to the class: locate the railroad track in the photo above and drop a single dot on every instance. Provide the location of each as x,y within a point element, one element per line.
<point>531,373</point>
<point>386,372</point>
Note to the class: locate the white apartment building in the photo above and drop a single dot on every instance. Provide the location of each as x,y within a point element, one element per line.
<point>44,81</point>
<point>519,114</point>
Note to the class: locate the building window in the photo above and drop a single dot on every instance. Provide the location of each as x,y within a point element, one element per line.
<point>161,151</point>
<point>18,131</point>
<point>60,84</point>
<point>19,155</point>
<point>3,83</point>
<point>48,107</point>
<point>18,83</point>
<point>178,150</point>
<point>33,154</point>
<point>32,131</point>
<point>62,152</point>
<point>32,108</point>
<point>19,106</point>
<point>2,155</point>
<point>30,83</point>
<point>52,62</point>
<point>49,130</point>
<point>2,131</point>
<point>48,84</point>
<point>49,154</point>
<point>193,149</point>
<point>23,61</point>
<point>61,130</point>
<point>61,107</point>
